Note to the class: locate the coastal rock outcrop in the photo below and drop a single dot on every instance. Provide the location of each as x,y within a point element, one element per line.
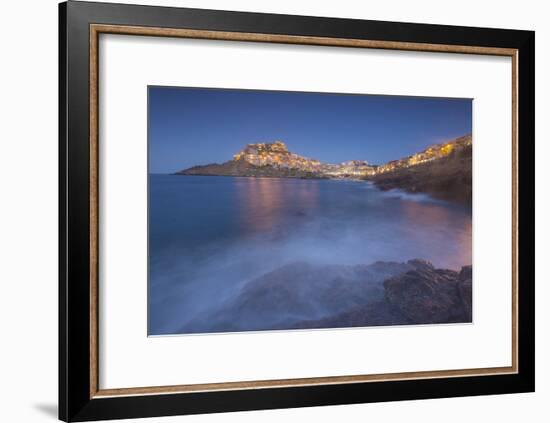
<point>300,291</point>
<point>447,177</point>
<point>305,295</point>
<point>465,289</point>
<point>275,160</point>
<point>429,295</point>
<point>422,295</point>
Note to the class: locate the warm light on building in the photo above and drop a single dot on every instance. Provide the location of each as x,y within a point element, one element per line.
<point>276,154</point>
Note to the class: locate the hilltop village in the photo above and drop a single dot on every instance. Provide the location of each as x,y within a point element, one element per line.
<point>442,170</point>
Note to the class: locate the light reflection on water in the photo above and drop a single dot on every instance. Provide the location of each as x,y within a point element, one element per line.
<point>447,228</point>
<point>266,204</point>
<point>208,236</point>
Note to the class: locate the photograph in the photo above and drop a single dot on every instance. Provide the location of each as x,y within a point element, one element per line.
<point>283,210</point>
<point>275,211</point>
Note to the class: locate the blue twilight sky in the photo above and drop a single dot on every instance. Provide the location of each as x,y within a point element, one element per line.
<point>192,126</point>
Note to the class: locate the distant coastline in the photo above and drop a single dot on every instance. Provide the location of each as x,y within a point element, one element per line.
<point>443,171</point>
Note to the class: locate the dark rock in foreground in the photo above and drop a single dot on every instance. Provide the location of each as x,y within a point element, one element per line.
<point>429,295</point>
<point>423,295</point>
<point>377,313</point>
<point>465,290</point>
<point>302,295</point>
<point>296,292</point>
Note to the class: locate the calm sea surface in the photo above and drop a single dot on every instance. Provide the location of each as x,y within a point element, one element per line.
<point>209,235</point>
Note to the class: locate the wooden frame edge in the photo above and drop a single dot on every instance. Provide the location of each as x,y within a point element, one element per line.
<point>97,29</point>
<point>299,382</point>
<point>295,39</point>
<point>515,211</point>
<point>94,212</point>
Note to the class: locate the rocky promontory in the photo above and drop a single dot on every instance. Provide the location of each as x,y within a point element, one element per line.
<point>441,170</point>
<point>448,177</point>
<point>275,160</point>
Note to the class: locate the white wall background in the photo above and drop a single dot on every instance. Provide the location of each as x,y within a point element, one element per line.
<point>28,209</point>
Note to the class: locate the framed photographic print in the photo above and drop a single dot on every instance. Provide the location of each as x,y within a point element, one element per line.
<point>268,211</point>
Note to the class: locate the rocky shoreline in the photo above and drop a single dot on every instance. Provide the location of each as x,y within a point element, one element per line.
<point>448,178</point>
<point>306,296</point>
<point>424,295</point>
